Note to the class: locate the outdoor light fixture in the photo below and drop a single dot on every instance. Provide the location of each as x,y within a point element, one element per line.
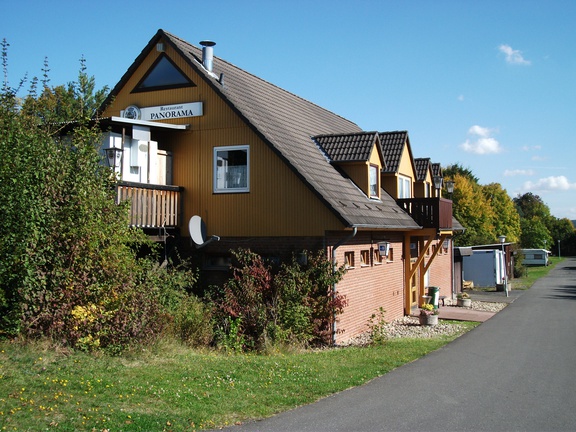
<point>450,187</point>
<point>113,156</point>
<point>384,248</point>
<point>438,184</point>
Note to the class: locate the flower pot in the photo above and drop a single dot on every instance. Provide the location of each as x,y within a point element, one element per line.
<point>430,320</point>
<point>464,302</point>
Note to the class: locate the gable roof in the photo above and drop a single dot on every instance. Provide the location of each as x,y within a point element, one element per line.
<point>422,167</point>
<point>392,147</point>
<point>286,123</point>
<point>355,147</point>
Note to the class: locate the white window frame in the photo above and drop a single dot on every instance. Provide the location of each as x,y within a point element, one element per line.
<point>218,186</point>
<point>373,174</point>
<point>404,187</point>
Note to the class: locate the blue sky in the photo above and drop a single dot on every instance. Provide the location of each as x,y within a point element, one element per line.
<point>490,85</point>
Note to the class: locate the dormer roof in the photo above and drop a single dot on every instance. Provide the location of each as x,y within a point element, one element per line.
<point>354,147</point>
<point>392,147</point>
<point>422,166</point>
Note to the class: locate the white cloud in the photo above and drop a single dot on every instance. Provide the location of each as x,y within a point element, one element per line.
<point>479,130</point>
<point>518,172</point>
<point>552,183</point>
<point>482,143</point>
<point>513,56</point>
<point>461,98</point>
<point>531,148</point>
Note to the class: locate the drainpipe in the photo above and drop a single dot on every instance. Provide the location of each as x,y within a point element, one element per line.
<point>336,246</point>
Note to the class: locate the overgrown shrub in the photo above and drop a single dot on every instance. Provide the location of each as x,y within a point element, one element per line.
<point>192,322</point>
<point>69,266</point>
<point>291,304</point>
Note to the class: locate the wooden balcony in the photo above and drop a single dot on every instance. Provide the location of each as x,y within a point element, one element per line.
<point>429,212</point>
<point>152,206</point>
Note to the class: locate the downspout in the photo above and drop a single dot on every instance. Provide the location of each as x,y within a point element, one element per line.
<point>336,246</point>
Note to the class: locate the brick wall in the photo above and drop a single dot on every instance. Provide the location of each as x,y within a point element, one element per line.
<point>368,286</point>
<point>441,272</point>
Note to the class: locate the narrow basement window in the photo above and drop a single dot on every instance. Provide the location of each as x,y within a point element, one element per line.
<point>365,258</point>
<point>349,260</point>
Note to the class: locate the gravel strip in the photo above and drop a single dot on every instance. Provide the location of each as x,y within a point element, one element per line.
<point>409,327</point>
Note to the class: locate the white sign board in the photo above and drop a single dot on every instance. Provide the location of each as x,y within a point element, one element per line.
<point>193,109</point>
<point>163,112</point>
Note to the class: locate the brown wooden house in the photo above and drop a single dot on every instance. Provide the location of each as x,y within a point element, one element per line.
<point>205,144</point>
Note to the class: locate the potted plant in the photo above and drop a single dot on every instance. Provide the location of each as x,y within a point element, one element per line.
<point>428,315</point>
<point>463,300</point>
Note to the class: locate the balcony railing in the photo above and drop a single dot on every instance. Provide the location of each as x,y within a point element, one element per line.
<point>429,212</point>
<point>152,206</point>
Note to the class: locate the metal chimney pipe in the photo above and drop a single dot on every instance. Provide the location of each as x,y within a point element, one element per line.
<point>207,54</point>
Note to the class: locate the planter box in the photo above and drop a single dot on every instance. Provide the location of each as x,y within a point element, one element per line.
<point>466,302</point>
<point>430,320</point>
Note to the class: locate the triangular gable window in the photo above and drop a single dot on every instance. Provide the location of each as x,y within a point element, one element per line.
<point>163,74</point>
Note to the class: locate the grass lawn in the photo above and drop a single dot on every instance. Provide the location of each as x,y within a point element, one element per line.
<point>532,274</point>
<point>174,388</point>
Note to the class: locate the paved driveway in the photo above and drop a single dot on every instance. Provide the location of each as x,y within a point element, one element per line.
<point>515,372</point>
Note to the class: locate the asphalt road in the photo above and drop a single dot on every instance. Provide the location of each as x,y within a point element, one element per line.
<point>515,372</point>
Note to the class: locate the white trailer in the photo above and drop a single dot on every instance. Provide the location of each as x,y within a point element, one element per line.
<point>535,257</point>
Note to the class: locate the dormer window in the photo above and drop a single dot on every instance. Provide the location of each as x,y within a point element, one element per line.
<point>404,187</point>
<point>374,182</point>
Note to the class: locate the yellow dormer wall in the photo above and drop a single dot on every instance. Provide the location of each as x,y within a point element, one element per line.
<point>359,172</point>
<point>406,166</point>
<point>405,169</point>
<point>421,187</point>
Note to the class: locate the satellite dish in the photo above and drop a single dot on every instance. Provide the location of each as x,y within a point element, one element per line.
<point>197,230</point>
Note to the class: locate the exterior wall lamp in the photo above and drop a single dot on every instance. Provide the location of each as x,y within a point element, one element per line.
<point>450,187</point>
<point>113,157</point>
<point>384,248</point>
<point>438,184</point>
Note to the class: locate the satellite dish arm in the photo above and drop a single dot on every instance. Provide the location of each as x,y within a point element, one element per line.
<point>207,242</point>
<point>197,230</point>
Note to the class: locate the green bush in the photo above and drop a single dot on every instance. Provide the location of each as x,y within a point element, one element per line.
<point>193,322</point>
<point>291,305</point>
<point>69,266</point>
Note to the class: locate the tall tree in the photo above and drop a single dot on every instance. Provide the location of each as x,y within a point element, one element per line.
<point>506,220</point>
<point>473,211</point>
<point>530,205</point>
<point>535,234</point>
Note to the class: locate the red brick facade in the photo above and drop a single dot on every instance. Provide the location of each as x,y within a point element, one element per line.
<point>369,284</point>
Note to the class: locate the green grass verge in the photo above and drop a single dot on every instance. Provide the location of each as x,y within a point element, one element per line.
<point>532,274</point>
<point>174,388</point>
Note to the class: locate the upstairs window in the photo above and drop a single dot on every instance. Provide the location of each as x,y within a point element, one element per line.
<point>232,169</point>
<point>404,187</point>
<point>374,182</point>
<point>164,74</point>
